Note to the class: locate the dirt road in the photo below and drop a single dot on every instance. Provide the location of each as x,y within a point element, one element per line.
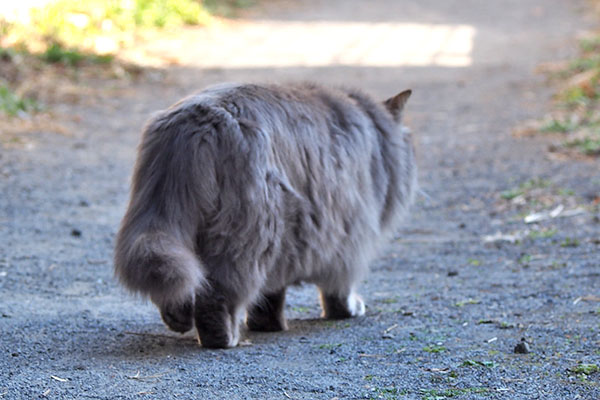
<point>466,280</point>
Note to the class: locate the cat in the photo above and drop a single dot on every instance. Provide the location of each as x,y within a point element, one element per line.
<point>242,190</point>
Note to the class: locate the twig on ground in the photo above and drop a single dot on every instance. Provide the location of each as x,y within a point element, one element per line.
<point>586,298</point>
<point>370,355</point>
<point>554,213</point>
<point>159,335</point>
<point>389,329</point>
<point>154,377</point>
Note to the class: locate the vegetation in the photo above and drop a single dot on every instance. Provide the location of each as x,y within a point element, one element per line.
<point>225,8</point>
<point>434,349</point>
<point>12,104</point>
<point>477,363</point>
<point>55,53</point>
<point>75,33</point>
<point>439,394</point>
<point>98,26</point>
<point>577,117</point>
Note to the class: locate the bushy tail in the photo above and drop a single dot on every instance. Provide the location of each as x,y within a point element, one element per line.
<point>155,248</point>
<point>157,265</point>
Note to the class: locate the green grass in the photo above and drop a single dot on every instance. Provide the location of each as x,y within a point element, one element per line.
<point>76,24</point>
<point>301,309</point>
<point>7,54</point>
<point>590,45</point>
<point>558,126</point>
<point>577,97</point>
<point>56,53</point>
<point>466,302</point>
<point>330,346</point>
<point>542,234</point>
<point>440,394</point>
<point>226,8</point>
<point>475,363</point>
<point>524,259</point>
<point>511,193</point>
<point>585,369</point>
<point>164,13</point>
<point>434,349</point>
<point>12,104</point>
<point>566,192</point>
<point>474,262</point>
<point>524,188</point>
<point>589,145</point>
<point>578,104</point>
<point>389,393</point>
<point>569,242</point>
<point>584,63</point>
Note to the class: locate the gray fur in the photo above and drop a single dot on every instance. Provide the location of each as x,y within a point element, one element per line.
<point>242,190</point>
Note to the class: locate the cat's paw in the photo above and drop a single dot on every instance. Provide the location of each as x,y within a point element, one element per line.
<point>217,327</point>
<point>356,305</point>
<point>218,337</point>
<point>335,307</point>
<point>178,318</point>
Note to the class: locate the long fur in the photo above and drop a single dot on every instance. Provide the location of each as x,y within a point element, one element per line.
<point>256,187</point>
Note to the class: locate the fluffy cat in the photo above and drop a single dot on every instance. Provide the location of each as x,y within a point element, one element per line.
<point>241,190</point>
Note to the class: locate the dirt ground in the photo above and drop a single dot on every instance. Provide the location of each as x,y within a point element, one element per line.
<point>465,282</point>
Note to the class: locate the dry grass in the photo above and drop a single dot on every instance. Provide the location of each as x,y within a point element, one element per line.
<point>574,122</point>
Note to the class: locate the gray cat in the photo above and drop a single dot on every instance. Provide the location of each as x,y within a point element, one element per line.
<point>242,190</point>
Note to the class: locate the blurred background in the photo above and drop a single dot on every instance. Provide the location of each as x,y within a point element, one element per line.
<point>383,45</point>
<point>489,290</point>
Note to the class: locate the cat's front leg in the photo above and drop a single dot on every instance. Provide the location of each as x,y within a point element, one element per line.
<point>338,306</point>
<point>217,318</point>
<point>266,314</point>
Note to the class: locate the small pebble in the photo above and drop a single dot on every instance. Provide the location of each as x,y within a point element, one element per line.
<point>522,347</point>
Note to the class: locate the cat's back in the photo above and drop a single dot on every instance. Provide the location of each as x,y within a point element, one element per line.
<point>276,104</point>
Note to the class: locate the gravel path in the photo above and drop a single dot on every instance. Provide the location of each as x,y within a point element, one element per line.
<point>464,283</point>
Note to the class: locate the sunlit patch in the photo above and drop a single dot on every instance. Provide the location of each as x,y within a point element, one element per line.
<point>255,44</point>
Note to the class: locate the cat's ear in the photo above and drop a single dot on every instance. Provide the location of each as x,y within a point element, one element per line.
<point>395,104</point>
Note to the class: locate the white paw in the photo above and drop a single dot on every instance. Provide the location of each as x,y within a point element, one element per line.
<point>234,338</point>
<point>356,305</point>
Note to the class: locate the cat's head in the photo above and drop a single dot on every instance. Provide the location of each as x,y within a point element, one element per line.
<point>395,104</point>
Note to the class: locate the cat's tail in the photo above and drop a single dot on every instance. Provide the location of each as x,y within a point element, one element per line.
<point>157,265</point>
<point>155,248</point>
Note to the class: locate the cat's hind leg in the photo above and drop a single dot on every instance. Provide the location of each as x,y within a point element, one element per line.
<point>341,305</point>
<point>266,314</point>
